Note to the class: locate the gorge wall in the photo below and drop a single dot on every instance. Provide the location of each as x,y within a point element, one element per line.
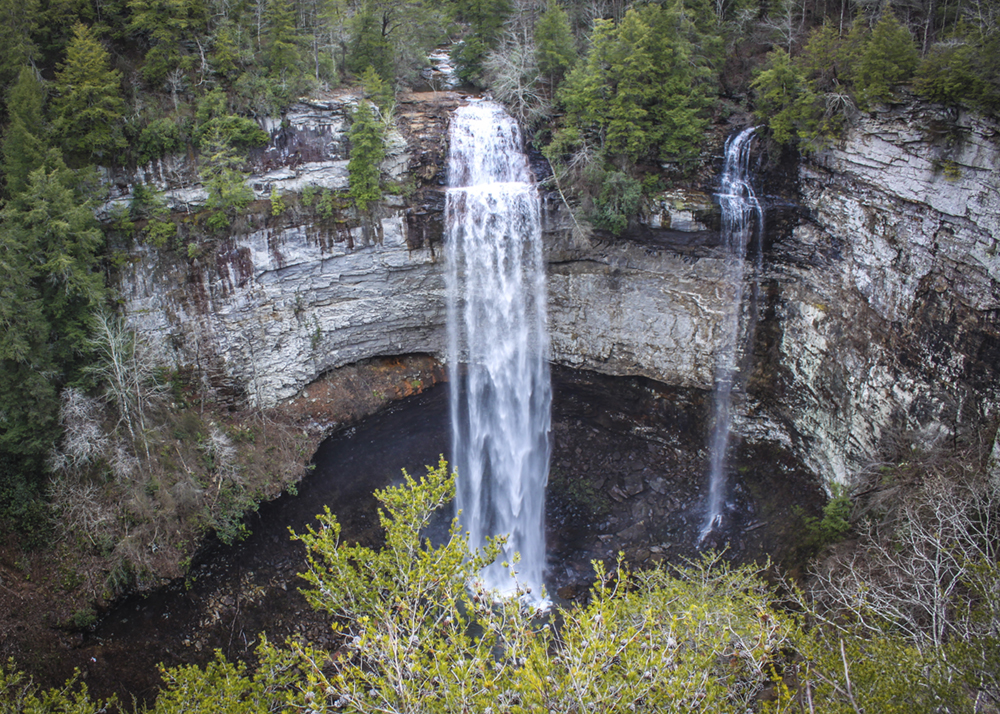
<point>878,318</point>
<point>884,299</point>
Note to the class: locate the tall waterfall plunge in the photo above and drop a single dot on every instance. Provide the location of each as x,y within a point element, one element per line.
<point>741,214</point>
<point>500,405</point>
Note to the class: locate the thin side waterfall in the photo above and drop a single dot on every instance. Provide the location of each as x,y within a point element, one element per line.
<point>741,214</point>
<point>501,401</point>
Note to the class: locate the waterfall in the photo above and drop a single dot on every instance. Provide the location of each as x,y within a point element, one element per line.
<point>500,403</point>
<point>741,214</point>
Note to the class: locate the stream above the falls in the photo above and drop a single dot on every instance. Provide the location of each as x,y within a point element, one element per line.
<point>627,474</point>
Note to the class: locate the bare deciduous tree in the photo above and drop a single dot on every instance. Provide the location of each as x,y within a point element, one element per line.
<point>925,564</point>
<point>513,76</point>
<point>127,370</point>
<point>84,439</point>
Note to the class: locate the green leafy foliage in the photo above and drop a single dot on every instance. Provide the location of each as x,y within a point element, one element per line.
<point>781,89</point>
<point>369,47</point>
<point>486,19</point>
<point>418,634</point>
<point>850,673</point>
<point>225,52</point>
<point>367,153</point>
<point>803,100</point>
<point>282,48</point>
<point>645,86</point>
<point>420,640</point>
<point>55,23</point>
<point>161,233</point>
<point>88,108</point>
<point>888,58</point>
<point>18,23</point>
<point>617,201</point>
<point>51,281</point>
<point>556,48</point>
<point>214,123</point>
<point>277,202</point>
<point>166,24</point>
<point>377,90</point>
<point>835,523</point>
<point>963,69</point>
<point>159,138</point>
<point>222,174</point>
<point>24,145</point>
<point>223,686</point>
<point>18,694</point>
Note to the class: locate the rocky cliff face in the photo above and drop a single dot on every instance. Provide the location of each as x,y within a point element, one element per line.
<point>279,301</point>
<point>879,315</point>
<point>884,323</point>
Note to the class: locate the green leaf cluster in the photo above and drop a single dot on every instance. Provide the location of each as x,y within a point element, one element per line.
<point>367,153</point>
<point>888,58</point>
<point>645,87</point>
<point>486,19</point>
<point>420,640</point>
<point>617,201</point>
<point>52,283</point>
<point>17,694</point>
<point>556,47</point>
<point>24,146</point>
<point>417,634</point>
<point>165,25</point>
<point>963,69</point>
<point>87,110</point>
<point>160,137</point>
<point>214,123</point>
<point>369,46</point>
<point>808,99</point>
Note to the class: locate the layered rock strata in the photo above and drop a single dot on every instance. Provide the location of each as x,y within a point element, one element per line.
<point>885,331</point>
<point>878,317</point>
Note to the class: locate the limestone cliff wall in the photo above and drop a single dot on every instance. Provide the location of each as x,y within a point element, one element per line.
<point>627,308</point>
<point>884,316</point>
<point>278,301</point>
<point>878,317</point>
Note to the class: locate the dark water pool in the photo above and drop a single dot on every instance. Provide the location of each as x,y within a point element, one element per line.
<point>627,475</point>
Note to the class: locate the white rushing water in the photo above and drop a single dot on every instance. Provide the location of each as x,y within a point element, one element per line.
<point>500,403</point>
<point>741,214</point>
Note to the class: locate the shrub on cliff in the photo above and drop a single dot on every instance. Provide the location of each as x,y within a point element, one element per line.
<point>367,152</point>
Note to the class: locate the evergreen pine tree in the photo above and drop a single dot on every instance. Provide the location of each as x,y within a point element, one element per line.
<point>88,108</point>
<point>948,74</point>
<point>225,53</point>
<point>166,24</point>
<point>778,88</point>
<point>486,18</point>
<point>556,49</point>
<point>367,153</point>
<point>223,177</point>
<point>644,86</point>
<point>23,141</point>
<point>368,46</point>
<point>377,90</point>
<point>282,52</point>
<point>18,21</point>
<point>888,58</point>
<point>51,281</point>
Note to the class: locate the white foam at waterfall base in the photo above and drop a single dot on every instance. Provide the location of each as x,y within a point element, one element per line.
<point>501,399</point>
<point>741,213</point>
